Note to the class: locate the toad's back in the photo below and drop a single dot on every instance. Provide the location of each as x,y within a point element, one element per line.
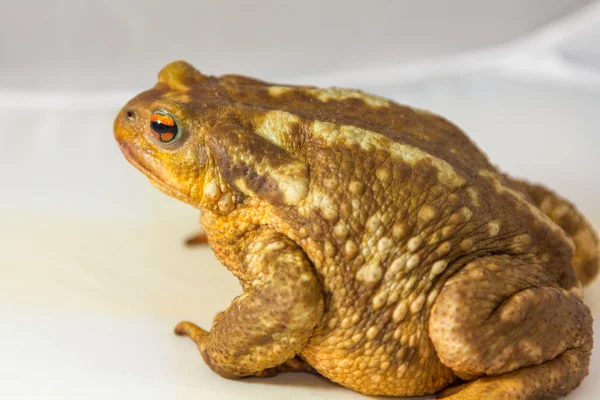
<point>420,129</point>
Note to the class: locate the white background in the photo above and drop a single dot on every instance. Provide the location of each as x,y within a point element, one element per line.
<point>93,274</point>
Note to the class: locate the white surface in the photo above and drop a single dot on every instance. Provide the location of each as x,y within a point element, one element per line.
<point>94,274</point>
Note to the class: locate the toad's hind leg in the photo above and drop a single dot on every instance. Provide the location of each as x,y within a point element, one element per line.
<point>498,324</point>
<point>586,259</point>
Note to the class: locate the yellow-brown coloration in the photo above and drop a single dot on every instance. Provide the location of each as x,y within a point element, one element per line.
<point>493,228</point>
<point>370,273</point>
<point>346,136</point>
<point>376,245</point>
<point>332,94</point>
<point>337,94</point>
<point>277,127</point>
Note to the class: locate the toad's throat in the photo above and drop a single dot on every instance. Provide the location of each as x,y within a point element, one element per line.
<point>152,178</point>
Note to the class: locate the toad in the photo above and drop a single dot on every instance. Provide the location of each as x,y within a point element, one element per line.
<point>376,245</point>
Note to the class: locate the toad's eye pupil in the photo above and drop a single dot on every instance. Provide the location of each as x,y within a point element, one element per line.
<point>163,127</point>
<point>159,127</point>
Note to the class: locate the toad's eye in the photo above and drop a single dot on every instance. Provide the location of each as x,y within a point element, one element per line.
<point>163,127</point>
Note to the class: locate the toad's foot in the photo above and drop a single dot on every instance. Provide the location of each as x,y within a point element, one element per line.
<point>295,364</point>
<point>199,336</point>
<point>197,239</point>
<point>548,380</point>
<point>194,332</point>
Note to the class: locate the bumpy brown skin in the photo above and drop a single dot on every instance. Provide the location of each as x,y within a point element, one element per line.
<point>374,242</point>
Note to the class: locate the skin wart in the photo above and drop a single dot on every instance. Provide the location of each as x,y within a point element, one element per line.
<point>375,243</point>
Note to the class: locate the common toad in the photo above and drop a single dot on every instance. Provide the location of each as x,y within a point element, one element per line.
<point>375,243</point>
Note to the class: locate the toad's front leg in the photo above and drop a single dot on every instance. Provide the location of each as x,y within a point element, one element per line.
<point>272,320</point>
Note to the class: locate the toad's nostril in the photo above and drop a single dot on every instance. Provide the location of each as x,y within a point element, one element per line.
<point>130,114</point>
